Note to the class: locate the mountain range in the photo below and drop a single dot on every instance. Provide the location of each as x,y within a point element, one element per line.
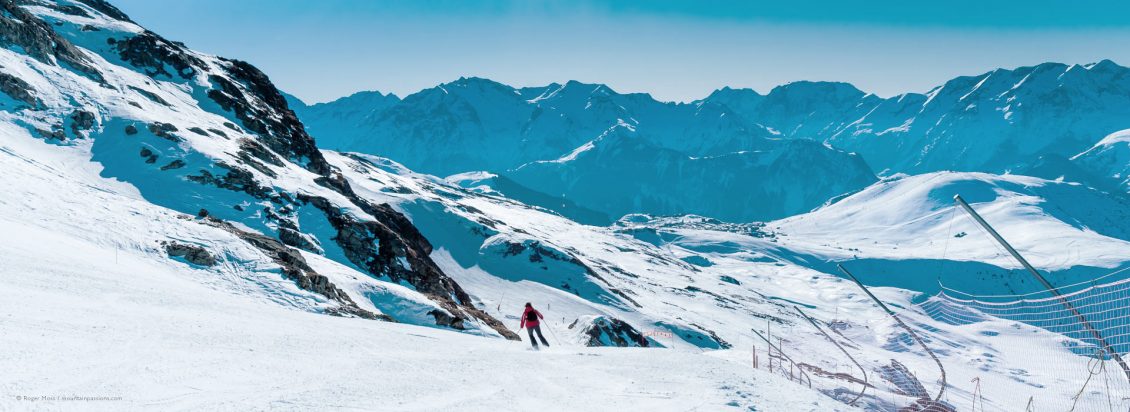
<point>573,142</point>
<point>177,237</point>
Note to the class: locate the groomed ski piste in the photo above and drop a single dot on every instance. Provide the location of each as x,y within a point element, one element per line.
<point>121,293</point>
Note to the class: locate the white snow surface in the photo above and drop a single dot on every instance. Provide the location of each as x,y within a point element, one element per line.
<point>92,306</point>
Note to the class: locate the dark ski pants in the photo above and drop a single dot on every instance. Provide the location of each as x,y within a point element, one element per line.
<point>538,330</point>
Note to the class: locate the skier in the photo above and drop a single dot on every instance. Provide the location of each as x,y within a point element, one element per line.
<point>530,321</point>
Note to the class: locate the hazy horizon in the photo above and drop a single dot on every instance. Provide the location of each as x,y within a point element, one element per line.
<point>674,51</point>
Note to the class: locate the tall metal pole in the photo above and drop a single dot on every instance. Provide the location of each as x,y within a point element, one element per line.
<point>829,337</point>
<point>937,399</point>
<point>1055,292</point>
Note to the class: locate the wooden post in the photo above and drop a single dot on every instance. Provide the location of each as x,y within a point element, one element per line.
<point>769,340</point>
<point>755,356</point>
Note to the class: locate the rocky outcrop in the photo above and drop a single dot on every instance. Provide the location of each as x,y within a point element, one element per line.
<point>445,319</point>
<point>105,8</point>
<point>18,89</point>
<point>81,120</point>
<point>295,268</point>
<point>191,253</point>
<point>148,155</point>
<point>294,238</point>
<point>175,164</point>
<point>385,244</point>
<point>150,95</point>
<point>154,54</point>
<point>392,247</point>
<point>259,106</point>
<point>68,9</point>
<point>608,331</point>
<point>236,179</point>
<point>22,29</point>
<point>163,130</point>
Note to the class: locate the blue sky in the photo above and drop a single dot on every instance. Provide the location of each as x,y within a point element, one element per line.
<point>675,50</point>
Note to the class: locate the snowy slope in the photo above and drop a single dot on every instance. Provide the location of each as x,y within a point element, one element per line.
<point>1110,157</point>
<point>174,238</point>
<point>710,283</point>
<point>907,232</point>
<point>149,334</point>
<point>96,99</point>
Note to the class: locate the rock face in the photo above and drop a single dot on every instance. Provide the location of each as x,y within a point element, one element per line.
<point>532,137</point>
<point>35,36</point>
<point>606,331</point>
<point>995,122</point>
<point>249,173</point>
<point>295,268</point>
<point>193,254</point>
<point>392,247</point>
<point>18,90</point>
<point>992,122</point>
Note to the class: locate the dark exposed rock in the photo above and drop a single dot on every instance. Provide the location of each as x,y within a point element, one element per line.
<point>68,9</point>
<point>730,280</point>
<point>251,152</point>
<point>256,150</point>
<point>721,342</point>
<point>292,237</point>
<point>605,331</point>
<point>55,133</point>
<point>81,120</point>
<point>175,164</point>
<point>295,268</point>
<point>105,8</point>
<point>247,160</point>
<point>198,131</point>
<point>259,108</point>
<point>245,92</point>
<point>39,40</point>
<point>381,246</point>
<point>150,95</point>
<point>193,254</point>
<point>153,54</point>
<point>218,132</point>
<point>236,179</point>
<point>18,89</point>
<point>87,27</point>
<point>444,319</point>
<point>149,156</point>
<point>164,130</point>
<point>264,111</point>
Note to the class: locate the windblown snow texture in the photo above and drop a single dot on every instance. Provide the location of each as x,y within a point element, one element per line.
<point>174,238</point>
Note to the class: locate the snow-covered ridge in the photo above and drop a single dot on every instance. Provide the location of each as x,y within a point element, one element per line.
<point>174,236</point>
<point>475,124</point>
<point>211,137</point>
